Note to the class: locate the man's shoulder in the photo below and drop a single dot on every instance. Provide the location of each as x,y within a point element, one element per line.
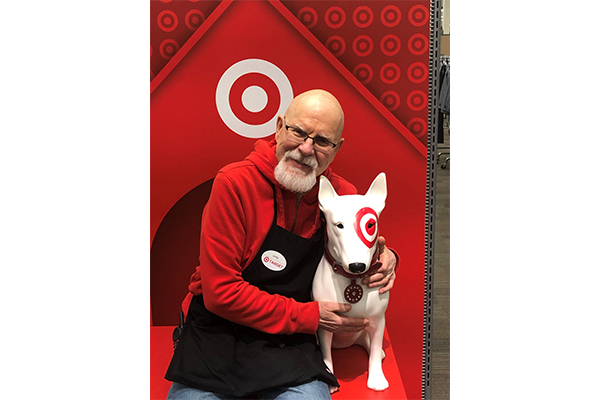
<point>241,173</point>
<point>238,167</point>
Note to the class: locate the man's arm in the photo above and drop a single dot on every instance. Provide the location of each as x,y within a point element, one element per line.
<point>386,274</point>
<point>226,231</point>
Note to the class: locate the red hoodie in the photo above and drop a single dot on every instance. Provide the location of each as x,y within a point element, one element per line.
<point>235,223</point>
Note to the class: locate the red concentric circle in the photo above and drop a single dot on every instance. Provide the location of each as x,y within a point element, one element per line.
<point>363,72</point>
<point>417,126</point>
<point>168,48</point>
<point>336,45</point>
<point>389,73</point>
<point>366,226</point>
<point>418,15</point>
<point>167,21</point>
<point>362,45</point>
<point>390,45</point>
<point>390,99</point>
<point>193,19</point>
<point>390,16</point>
<point>308,16</point>
<point>241,111</point>
<point>416,100</point>
<point>362,16</point>
<point>335,17</point>
<point>417,72</point>
<point>418,44</point>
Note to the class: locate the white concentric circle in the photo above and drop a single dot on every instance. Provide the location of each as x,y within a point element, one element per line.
<point>252,65</point>
<point>255,98</point>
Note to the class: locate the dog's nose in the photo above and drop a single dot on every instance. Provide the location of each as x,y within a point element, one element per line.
<point>357,268</point>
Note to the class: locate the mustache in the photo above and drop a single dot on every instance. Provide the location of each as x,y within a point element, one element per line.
<point>295,154</point>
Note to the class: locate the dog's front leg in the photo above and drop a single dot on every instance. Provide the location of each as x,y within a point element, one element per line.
<point>376,380</point>
<point>325,341</point>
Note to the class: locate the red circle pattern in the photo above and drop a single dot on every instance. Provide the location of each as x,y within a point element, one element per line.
<point>168,48</point>
<point>335,17</point>
<point>416,100</point>
<point>390,99</point>
<point>362,16</point>
<point>389,73</point>
<point>417,72</point>
<point>407,42</point>
<point>362,45</point>
<point>390,45</point>
<point>390,16</point>
<point>418,44</point>
<point>336,45</point>
<point>363,72</point>
<point>417,126</point>
<point>193,19</point>
<point>167,21</point>
<point>309,12</point>
<point>418,15</point>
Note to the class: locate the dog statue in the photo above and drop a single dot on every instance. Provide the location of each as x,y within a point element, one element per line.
<point>350,254</point>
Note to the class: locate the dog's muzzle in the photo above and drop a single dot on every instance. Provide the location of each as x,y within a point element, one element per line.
<point>357,268</point>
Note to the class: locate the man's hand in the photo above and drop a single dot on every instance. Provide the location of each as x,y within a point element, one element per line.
<point>386,274</point>
<point>331,320</point>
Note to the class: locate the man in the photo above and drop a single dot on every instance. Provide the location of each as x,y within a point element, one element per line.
<point>251,324</point>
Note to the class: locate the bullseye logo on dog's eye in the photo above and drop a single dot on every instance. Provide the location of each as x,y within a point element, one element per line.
<point>366,226</point>
<point>250,95</point>
<point>274,260</point>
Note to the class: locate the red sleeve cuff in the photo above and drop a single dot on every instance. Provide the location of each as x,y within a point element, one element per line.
<point>308,317</point>
<point>396,255</point>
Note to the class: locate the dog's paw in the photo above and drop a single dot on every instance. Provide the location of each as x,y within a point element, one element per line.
<point>333,389</point>
<point>377,383</point>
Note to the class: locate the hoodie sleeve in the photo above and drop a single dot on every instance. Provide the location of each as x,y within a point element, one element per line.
<point>226,231</point>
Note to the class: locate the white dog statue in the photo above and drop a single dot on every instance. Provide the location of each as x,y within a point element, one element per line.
<point>351,253</point>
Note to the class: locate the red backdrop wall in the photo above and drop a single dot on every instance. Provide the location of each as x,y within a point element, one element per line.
<point>372,55</point>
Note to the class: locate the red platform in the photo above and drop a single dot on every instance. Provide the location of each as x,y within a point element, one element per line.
<point>350,368</point>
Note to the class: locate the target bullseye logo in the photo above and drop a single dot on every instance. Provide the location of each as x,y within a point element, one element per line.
<point>167,21</point>
<point>308,16</point>
<point>366,226</point>
<point>250,95</point>
<point>417,72</point>
<point>336,45</point>
<point>417,126</point>
<point>363,72</point>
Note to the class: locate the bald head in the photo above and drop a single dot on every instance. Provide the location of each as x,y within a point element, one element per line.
<point>318,104</point>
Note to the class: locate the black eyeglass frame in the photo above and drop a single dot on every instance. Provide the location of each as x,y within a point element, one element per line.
<point>307,136</point>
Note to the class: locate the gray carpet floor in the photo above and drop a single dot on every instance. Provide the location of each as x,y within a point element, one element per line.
<point>440,325</point>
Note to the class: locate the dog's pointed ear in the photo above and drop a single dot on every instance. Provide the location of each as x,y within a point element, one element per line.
<point>326,192</point>
<point>378,189</point>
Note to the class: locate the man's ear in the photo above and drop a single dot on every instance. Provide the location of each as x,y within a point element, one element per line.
<point>280,127</point>
<point>339,145</point>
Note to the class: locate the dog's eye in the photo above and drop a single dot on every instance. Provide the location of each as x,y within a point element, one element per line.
<point>370,225</point>
<point>340,225</point>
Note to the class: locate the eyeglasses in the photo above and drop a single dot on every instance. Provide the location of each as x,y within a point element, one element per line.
<point>299,136</point>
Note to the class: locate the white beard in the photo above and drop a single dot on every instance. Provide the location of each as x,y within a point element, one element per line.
<point>293,179</point>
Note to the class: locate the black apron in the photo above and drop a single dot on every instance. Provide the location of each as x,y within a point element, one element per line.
<point>220,356</point>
